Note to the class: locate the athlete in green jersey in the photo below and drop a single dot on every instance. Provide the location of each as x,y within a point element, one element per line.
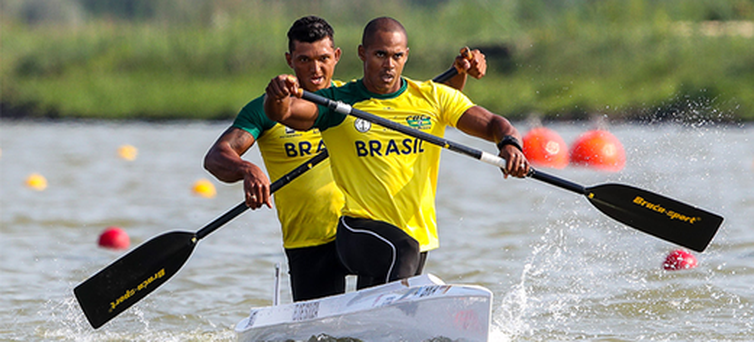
<point>309,207</point>
<point>307,221</point>
<point>389,180</point>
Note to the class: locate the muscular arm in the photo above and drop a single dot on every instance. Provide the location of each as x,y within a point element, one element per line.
<point>481,123</point>
<point>280,106</point>
<point>458,81</point>
<point>223,160</point>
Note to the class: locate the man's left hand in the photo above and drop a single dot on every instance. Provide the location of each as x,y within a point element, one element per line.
<point>476,65</point>
<point>516,163</point>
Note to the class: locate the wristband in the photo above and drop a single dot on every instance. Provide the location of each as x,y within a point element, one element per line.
<point>509,140</point>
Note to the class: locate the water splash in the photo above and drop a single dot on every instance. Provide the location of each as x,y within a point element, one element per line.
<point>510,318</point>
<point>64,321</point>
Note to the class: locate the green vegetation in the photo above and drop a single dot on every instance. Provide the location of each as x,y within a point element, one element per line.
<point>170,59</point>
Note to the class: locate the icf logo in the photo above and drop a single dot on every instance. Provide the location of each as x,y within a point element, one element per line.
<point>419,121</point>
<point>362,125</point>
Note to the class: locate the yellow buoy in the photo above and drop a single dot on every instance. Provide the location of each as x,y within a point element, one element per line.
<point>127,152</point>
<point>36,182</point>
<point>204,188</point>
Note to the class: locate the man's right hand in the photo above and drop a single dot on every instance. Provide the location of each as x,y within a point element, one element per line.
<point>282,87</point>
<point>256,188</point>
<point>280,106</point>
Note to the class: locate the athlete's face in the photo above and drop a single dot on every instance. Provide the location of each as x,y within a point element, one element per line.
<point>384,58</point>
<point>313,63</point>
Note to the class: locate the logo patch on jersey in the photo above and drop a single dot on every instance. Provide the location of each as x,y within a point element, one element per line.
<point>289,130</point>
<point>362,125</point>
<point>419,121</point>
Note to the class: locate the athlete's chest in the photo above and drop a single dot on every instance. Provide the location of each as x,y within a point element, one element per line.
<point>361,138</point>
<point>413,112</point>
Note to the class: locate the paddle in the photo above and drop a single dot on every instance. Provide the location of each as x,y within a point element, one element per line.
<point>452,71</point>
<point>651,213</point>
<point>135,275</point>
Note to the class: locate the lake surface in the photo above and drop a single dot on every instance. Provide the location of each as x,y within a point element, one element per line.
<point>559,269</point>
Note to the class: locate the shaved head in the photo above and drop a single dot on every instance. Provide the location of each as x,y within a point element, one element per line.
<point>382,24</point>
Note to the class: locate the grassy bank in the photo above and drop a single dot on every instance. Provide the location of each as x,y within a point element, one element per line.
<point>626,59</point>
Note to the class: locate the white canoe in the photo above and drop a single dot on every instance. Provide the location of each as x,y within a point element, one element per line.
<point>415,309</point>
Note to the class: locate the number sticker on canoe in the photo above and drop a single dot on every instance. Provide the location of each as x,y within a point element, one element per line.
<point>305,311</point>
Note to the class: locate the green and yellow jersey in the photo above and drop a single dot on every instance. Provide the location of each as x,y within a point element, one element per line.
<point>386,175</point>
<point>308,208</point>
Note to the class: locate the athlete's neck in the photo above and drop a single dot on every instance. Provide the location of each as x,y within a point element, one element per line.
<point>383,94</point>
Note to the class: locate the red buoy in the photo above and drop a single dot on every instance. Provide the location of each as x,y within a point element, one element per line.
<point>115,238</point>
<point>598,149</point>
<point>679,260</point>
<point>544,147</point>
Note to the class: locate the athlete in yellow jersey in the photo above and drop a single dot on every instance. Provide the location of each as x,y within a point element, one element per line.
<point>308,208</point>
<point>389,180</point>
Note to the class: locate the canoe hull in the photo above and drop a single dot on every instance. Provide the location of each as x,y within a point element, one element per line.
<point>415,309</point>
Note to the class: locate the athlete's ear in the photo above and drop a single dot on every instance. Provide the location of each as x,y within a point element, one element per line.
<point>337,54</point>
<point>362,53</point>
<point>288,59</point>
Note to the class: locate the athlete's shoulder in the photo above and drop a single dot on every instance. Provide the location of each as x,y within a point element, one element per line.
<point>429,86</point>
<point>430,89</point>
<point>252,118</point>
<point>410,82</point>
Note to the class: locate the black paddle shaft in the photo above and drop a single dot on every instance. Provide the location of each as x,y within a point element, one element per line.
<point>135,275</point>
<point>445,76</point>
<point>651,213</point>
<point>241,207</point>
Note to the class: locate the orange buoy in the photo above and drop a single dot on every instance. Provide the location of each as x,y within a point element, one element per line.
<point>36,181</point>
<point>544,147</point>
<point>204,188</point>
<point>599,149</point>
<point>679,260</point>
<point>127,152</point>
<point>114,238</point>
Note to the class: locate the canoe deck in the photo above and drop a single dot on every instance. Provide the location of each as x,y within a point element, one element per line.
<point>414,309</point>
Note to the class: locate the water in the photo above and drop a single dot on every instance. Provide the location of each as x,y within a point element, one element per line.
<point>559,269</point>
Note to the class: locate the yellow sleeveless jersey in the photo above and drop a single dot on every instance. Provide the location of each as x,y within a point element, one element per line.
<point>308,208</point>
<point>386,175</point>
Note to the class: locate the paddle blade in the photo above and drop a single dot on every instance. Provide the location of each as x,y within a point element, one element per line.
<point>657,215</point>
<point>135,275</point>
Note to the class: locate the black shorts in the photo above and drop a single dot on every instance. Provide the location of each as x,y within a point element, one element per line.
<point>377,252</point>
<point>315,272</point>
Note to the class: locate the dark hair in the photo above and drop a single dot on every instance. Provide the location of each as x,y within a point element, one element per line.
<point>309,29</point>
<point>381,24</point>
